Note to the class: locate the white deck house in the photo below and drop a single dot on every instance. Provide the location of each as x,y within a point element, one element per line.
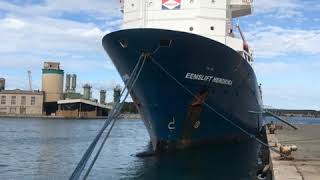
<point>208,18</point>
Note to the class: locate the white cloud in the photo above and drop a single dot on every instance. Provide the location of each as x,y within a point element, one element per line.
<point>66,31</point>
<point>270,5</point>
<point>98,8</point>
<point>279,9</point>
<point>292,68</point>
<point>272,41</point>
<point>12,23</point>
<point>290,85</point>
<point>291,98</point>
<point>43,34</point>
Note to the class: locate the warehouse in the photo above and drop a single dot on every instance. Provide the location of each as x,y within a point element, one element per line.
<point>20,102</point>
<point>81,108</point>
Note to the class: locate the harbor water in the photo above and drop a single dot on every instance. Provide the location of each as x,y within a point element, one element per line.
<point>50,149</point>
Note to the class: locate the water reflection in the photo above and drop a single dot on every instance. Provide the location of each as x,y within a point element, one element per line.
<point>50,149</point>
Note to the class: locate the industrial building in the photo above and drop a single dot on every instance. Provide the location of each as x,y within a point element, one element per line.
<point>69,103</point>
<point>53,100</point>
<point>52,86</point>
<point>81,108</point>
<point>52,81</point>
<point>19,102</point>
<point>117,94</point>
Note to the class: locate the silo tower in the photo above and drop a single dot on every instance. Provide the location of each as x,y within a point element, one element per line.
<point>103,97</point>
<point>2,84</point>
<point>52,81</point>
<point>73,82</point>
<point>116,94</point>
<point>87,91</point>
<point>68,79</point>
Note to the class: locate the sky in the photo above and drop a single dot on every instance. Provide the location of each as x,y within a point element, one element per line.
<point>284,36</point>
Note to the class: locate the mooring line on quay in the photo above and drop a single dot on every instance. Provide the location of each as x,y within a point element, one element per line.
<point>112,118</point>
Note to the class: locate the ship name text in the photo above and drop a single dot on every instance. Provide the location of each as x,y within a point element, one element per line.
<point>201,77</point>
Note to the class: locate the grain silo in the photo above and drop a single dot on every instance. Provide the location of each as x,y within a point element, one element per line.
<point>116,94</point>
<point>86,91</point>
<point>68,79</point>
<point>73,82</point>
<point>103,97</point>
<point>2,84</point>
<point>52,81</point>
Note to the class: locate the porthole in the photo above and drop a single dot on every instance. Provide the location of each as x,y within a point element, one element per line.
<point>211,28</point>
<point>132,5</point>
<point>191,28</point>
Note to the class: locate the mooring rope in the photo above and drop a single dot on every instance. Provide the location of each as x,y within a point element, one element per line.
<point>252,136</point>
<point>117,108</point>
<point>114,121</point>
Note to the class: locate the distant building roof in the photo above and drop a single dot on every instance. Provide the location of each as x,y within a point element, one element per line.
<point>19,91</point>
<point>70,101</point>
<point>51,65</point>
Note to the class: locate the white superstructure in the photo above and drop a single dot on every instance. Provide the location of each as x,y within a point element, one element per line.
<point>208,18</point>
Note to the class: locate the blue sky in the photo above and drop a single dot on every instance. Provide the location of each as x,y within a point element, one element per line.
<point>284,36</point>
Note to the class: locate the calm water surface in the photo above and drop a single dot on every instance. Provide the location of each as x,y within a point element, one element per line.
<point>50,149</point>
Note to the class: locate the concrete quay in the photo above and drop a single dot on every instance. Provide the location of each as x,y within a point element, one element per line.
<point>305,162</point>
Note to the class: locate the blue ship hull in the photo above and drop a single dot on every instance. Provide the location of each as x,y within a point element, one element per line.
<point>217,74</point>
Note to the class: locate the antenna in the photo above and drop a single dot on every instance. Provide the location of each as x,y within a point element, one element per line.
<point>30,80</point>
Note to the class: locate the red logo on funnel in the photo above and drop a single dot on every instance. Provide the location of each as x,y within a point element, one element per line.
<point>171,4</point>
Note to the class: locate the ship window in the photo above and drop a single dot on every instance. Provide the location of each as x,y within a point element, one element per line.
<point>165,43</point>
<point>132,5</point>
<point>191,28</point>
<point>212,28</point>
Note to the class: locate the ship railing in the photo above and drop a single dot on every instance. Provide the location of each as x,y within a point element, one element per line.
<point>247,56</point>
